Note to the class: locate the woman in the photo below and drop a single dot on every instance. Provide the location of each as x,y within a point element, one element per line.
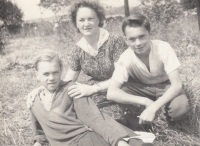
<point>94,54</point>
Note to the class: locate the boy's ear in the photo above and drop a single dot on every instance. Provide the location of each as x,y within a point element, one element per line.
<point>125,38</point>
<point>36,73</point>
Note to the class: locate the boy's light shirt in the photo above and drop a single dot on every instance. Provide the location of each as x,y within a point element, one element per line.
<point>46,100</point>
<point>83,44</point>
<point>162,61</point>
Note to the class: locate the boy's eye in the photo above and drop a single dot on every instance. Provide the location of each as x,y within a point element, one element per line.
<point>91,18</point>
<point>45,74</point>
<point>142,36</point>
<point>132,39</point>
<point>81,20</point>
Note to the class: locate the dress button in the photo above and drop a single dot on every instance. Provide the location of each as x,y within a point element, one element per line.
<point>125,113</point>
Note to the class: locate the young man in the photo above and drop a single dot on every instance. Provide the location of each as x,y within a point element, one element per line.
<point>147,74</point>
<point>64,121</point>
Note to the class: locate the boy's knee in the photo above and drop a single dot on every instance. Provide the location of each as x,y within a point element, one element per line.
<point>179,107</point>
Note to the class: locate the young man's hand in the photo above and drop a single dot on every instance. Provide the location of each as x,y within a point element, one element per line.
<point>148,115</point>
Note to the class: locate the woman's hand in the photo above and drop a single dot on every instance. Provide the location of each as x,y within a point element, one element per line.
<point>31,96</point>
<point>81,90</point>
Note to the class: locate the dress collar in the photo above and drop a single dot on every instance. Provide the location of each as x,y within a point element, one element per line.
<point>83,44</point>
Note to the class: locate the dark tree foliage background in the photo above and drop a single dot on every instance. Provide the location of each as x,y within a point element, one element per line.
<point>55,5</point>
<point>189,4</point>
<point>11,15</point>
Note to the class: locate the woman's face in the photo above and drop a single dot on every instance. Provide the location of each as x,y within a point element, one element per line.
<point>87,21</point>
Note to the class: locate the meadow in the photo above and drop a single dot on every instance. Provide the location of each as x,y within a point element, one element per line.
<point>17,79</point>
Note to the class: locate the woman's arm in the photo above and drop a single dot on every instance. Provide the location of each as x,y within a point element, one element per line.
<point>82,90</point>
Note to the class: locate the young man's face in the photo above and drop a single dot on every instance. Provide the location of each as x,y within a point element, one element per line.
<point>138,39</point>
<point>49,74</point>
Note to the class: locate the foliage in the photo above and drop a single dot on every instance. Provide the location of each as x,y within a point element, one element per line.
<point>160,11</point>
<point>189,4</point>
<point>55,5</point>
<point>11,16</point>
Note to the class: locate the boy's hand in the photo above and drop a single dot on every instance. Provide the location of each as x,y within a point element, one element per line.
<point>37,144</point>
<point>31,96</point>
<point>148,115</point>
<point>81,90</point>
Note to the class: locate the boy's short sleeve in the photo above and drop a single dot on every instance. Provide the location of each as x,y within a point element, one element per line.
<point>121,73</point>
<point>170,59</point>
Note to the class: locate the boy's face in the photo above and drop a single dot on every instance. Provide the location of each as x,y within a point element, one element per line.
<point>138,39</point>
<point>49,74</point>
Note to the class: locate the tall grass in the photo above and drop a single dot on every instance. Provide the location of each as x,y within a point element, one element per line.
<point>17,79</point>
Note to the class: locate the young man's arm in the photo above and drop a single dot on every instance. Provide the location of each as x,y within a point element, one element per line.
<point>115,93</point>
<point>39,136</point>
<point>174,90</point>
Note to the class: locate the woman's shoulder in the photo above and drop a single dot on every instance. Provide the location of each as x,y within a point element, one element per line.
<point>75,50</point>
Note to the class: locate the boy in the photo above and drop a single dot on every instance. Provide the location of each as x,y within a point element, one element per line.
<point>146,74</point>
<point>61,120</point>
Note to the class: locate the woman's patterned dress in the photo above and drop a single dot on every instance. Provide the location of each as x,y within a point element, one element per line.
<point>100,68</point>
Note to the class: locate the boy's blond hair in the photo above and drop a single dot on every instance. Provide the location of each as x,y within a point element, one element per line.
<point>47,55</point>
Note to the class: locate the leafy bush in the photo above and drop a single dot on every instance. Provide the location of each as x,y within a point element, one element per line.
<point>189,4</point>
<point>160,11</point>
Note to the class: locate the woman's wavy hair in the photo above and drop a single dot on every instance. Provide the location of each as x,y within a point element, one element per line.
<point>89,4</point>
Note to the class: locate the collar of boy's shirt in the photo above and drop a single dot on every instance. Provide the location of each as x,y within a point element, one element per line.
<point>83,44</point>
<point>46,99</point>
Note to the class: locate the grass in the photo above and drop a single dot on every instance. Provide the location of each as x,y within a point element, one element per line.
<point>17,79</point>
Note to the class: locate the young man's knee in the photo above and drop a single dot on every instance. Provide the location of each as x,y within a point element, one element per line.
<point>180,108</point>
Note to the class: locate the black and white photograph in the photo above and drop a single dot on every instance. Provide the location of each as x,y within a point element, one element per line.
<point>99,72</point>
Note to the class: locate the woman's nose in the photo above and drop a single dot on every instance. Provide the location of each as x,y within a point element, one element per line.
<point>86,23</point>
